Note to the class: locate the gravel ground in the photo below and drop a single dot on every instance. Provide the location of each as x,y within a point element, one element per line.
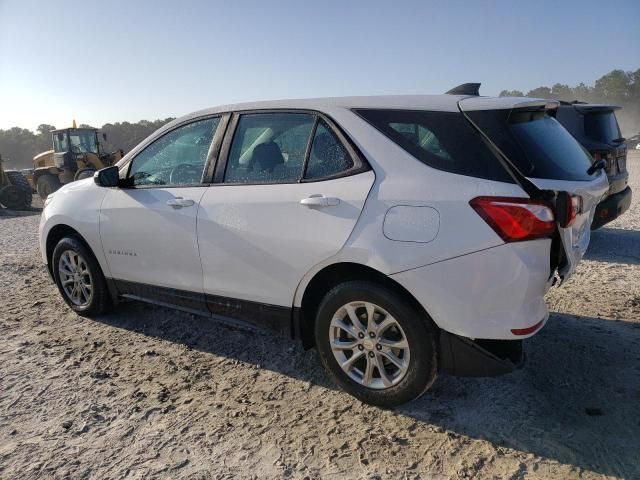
<point>147,392</point>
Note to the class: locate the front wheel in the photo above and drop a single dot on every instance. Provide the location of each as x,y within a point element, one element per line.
<point>79,277</point>
<point>375,344</point>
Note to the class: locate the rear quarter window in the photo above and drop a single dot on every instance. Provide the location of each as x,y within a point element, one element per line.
<point>442,140</point>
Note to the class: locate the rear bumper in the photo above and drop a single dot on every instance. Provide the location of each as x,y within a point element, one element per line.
<point>486,294</point>
<point>611,208</point>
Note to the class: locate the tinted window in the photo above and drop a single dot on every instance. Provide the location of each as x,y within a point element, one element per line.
<point>538,145</point>
<point>602,127</point>
<point>177,158</point>
<point>442,140</point>
<point>328,156</point>
<point>269,148</point>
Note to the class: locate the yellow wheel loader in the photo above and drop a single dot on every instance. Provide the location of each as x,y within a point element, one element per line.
<point>76,154</point>
<point>15,191</point>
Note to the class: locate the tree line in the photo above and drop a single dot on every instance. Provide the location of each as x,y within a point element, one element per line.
<point>615,88</point>
<point>18,146</point>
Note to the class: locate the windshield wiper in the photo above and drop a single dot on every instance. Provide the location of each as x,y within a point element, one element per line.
<point>599,165</point>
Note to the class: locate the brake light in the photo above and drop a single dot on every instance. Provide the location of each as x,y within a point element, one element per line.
<point>567,208</point>
<point>516,219</point>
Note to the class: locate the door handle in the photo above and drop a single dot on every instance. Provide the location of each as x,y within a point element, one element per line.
<point>179,202</point>
<point>319,200</point>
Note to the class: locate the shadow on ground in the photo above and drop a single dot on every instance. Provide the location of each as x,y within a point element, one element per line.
<point>614,245</point>
<point>575,401</point>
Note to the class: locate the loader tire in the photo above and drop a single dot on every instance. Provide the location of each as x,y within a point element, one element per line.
<point>84,173</point>
<point>18,179</point>
<point>47,184</point>
<point>12,197</point>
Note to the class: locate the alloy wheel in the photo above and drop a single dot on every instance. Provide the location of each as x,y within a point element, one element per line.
<point>369,345</point>
<point>75,278</point>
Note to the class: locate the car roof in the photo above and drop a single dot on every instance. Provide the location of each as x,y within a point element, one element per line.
<point>442,103</point>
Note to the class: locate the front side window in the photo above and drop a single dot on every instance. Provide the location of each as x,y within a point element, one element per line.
<point>269,148</point>
<point>328,156</point>
<point>442,140</point>
<point>177,158</point>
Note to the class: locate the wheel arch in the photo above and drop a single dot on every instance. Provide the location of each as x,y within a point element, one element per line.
<point>57,233</point>
<point>330,276</point>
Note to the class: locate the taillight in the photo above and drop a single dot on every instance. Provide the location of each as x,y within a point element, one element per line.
<point>516,219</point>
<point>567,208</point>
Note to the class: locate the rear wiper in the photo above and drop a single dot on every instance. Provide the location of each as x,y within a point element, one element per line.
<point>618,140</point>
<point>599,165</point>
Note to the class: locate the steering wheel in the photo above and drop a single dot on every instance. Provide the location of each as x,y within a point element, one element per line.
<point>185,174</point>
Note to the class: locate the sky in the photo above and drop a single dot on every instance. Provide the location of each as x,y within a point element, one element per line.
<point>99,62</point>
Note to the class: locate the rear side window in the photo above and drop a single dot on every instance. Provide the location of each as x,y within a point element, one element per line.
<point>602,126</point>
<point>538,145</point>
<point>442,140</point>
<point>269,148</point>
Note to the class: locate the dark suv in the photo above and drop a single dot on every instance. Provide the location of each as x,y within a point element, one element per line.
<point>596,128</point>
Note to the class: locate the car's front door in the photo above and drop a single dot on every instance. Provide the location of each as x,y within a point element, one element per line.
<point>288,192</point>
<point>148,226</point>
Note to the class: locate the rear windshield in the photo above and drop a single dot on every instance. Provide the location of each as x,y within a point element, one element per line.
<point>442,140</point>
<point>538,145</point>
<point>602,126</point>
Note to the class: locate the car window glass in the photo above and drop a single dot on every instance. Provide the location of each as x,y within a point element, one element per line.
<point>442,140</point>
<point>177,158</point>
<point>269,148</point>
<point>328,156</point>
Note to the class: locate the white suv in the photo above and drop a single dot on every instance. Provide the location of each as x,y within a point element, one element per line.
<point>401,236</point>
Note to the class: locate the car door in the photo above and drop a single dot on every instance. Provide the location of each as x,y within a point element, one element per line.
<point>288,192</point>
<point>148,226</point>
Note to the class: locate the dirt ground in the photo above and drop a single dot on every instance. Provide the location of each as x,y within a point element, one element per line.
<point>147,392</point>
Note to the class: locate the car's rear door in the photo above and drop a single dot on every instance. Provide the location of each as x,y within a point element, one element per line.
<point>288,191</point>
<point>546,154</point>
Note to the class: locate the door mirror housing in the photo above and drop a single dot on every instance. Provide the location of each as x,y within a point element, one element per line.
<point>104,136</point>
<point>107,177</point>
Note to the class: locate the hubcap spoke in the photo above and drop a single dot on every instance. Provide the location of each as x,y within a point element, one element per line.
<point>374,355</point>
<point>75,278</point>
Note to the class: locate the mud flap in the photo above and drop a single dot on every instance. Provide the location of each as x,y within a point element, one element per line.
<point>464,357</point>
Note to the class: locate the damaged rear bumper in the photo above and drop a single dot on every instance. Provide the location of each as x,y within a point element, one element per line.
<point>465,357</point>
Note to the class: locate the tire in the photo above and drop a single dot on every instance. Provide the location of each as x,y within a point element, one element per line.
<point>13,197</point>
<point>84,173</point>
<point>19,180</point>
<point>46,185</point>
<point>98,301</point>
<point>419,359</point>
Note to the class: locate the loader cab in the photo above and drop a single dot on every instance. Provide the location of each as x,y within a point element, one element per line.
<point>75,140</point>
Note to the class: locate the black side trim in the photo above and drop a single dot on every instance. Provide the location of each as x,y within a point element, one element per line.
<point>273,317</point>
<point>185,300</point>
<point>481,358</point>
<point>261,315</point>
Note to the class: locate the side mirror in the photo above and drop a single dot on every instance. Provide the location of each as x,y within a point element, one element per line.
<point>107,177</point>
<point>104,136</point>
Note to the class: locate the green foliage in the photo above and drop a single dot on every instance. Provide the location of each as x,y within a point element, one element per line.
<point>18,146</point>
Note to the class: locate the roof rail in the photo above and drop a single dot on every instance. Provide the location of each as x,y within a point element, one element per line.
<point>466,89</point>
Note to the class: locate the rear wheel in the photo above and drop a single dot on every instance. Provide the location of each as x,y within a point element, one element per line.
<point>13,197</point>
<point>374,344</point>
<point>47,184</point>
<point>19,180</point>
<point>79,277</point>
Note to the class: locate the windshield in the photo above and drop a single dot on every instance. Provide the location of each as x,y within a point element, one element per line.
<point>538,145</point>
<point>60,142</point>
<point>602,126</point>
<point>84,141</point>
